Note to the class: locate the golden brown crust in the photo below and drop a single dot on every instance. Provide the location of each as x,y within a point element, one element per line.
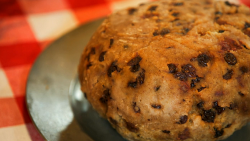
<point>171,70</point>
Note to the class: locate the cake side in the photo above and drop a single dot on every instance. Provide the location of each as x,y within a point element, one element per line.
<point>171,70</point>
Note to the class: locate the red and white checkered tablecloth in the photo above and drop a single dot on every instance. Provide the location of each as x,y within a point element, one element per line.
<point>26,29</point>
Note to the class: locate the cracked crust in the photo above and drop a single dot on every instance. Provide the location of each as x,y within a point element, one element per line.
<point>171,70</point>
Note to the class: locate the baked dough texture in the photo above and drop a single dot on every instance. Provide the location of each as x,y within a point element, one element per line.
<point>171,70</point>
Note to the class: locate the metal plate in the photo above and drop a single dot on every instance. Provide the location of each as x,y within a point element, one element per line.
<point>61,116</point>
<point>47,92</point>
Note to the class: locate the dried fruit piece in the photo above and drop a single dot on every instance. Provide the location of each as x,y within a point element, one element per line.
<point>192,84</point>
<point>240,81</point>
<point>201,88</point>
<point>229,125</point>
<point>105,97</point>
<point>164,31</point>
<point>136,60</point>
<point>178,3</point>
<point>203,59</point>
<point>135,68</point>
<point>134,63</point>
<point>155,33</point>
<point>125,46</point>
<point>221,31</point>
<point>184,135</point>
<point>208,2</point>
<point>139,80</point>
<point>230,4</point>
<point>176,19</point>
<point>241,94</point>
<point>198,79</point>
<point>230,58</point>
<point>181,76</point>
<point>218,13</point>
<point>101,57</point>
<point>141,77</point>
<point>131,127</point>
<point>189,70</point>
<point>216,19</point>
<point>229,44</point>
<point>85,95</point>
<point>208,115</point>
<point>219,93</point>
<point>232,106</point>
<point>175,14</point>
<point>131,11</point>
<point>114,122</point>
<point>186,30</point>
<point>151,14</point>
<point>111,41</point>
<point>113,67</point>
<point>218,132</point>
<point>244,69</point>
<point>247,32</point>
<point>193,81</point>
<point>132,84</point>
<point>184,87</point>
<point>152,8</point>
<point>166,131</point>
<point>228,75</point>
<point>247,25</point>
<point>136,108</point>
<point>172,68</point>
<point>157,88</point>
<point>92,51</point>
<point>218,108</point>
<point>142,4</point>
<point>89,65</point>
<point>183,119</point>
<point>200,105</point>
<point>242,44</point>
<point>156,106</point>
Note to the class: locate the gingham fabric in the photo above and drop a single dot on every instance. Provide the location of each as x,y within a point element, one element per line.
<point>27,27</point>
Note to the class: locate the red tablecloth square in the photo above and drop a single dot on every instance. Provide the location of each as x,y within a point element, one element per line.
<point>15,29</point>
<point>23,108</point>
<point>17,77</point>
<point>19,54</point>
<point>40,6</point>
<point>10,113</point>
<point>91,13</point>
<point>246,2</point>
<point>10,8</point>
<point>85,3</point>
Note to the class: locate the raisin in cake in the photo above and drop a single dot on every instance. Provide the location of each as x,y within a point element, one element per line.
<point>171,70</point>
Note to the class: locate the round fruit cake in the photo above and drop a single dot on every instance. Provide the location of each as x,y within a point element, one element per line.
<point>171,70</point>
